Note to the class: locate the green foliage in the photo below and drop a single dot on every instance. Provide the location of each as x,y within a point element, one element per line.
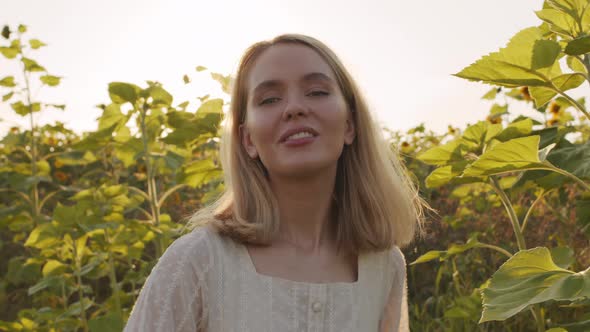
<point>525,158</point>
<point>84,218</point>
<point>531,277</point>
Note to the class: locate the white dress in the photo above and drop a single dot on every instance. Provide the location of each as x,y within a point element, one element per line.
<point>207,282</point>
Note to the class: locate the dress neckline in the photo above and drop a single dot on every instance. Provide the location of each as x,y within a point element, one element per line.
<point>249,264</point>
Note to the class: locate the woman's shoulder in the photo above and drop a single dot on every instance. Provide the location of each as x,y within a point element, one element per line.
<point>195,247</point>
<point>392,257</point>
<point>397,258</point>
<point>386,264</point>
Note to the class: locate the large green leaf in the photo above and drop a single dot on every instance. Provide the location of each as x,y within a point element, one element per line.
<point>575,64</point>
<point>516,129</point>
<point>67,215</point>
<point>189,127</point>
<point>129,151</point>
<point>96,140</point>
<point>576,10</point>
<point>527,60</point>
<point>444,154</point>
<point>528,278</point>
<point>199,172</point>
<point>160,97</point>
<point>53,267</point>
<point>121,92</point>
<point>111,115</point>
<point>210,114</point>
<point>154,123</point>
<point>513,155</point>
<point>542,95</point>
<point>559,22</point>
<point>443,175</point>
<point>450,174</point>
<point>475,135</point>
<point>75,158</point>
<point>578,46</point>
<point>43,236</point>
<point>562,256</point>
<point>574,159</point>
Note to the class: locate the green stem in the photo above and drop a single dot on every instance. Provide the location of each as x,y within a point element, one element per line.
<point>147,214</point>
<point>24,196</point>
<point>571,176</point>
<point>80,292</point>
<point>169,192</point>
<point>35,191</point>
<point>536,309</point>
<point>574,103</point>
<point>545,166</point>
<point>496,248</point>
<point>530,210</point>
<point>47,197</point>
<point>538,315</point>
<point>586,62</point>
<point>23,150</point>
<point>152,191</point>
<point>113,276</point>
<point>511,213</point>
<point>140,192</point>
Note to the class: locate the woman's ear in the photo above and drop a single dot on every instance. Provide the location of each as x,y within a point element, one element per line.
<point>247,141</point>
<point>350,131</point>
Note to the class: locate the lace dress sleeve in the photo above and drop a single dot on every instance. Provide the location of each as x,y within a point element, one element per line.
<point>172,298</point>
<point>395,313</point>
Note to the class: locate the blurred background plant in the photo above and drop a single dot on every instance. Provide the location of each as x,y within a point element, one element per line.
<point>84,218</point>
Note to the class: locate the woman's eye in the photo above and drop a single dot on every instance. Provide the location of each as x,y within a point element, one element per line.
<point>268,101</point>
<point>273,100</point>
<point>319,93</point>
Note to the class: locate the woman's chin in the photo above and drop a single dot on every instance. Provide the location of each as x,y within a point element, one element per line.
<point>306,168</point>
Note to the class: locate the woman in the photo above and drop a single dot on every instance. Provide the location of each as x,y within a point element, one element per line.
<point>307,234</point>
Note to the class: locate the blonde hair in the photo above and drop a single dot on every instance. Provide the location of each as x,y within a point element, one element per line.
<point>376,204</point>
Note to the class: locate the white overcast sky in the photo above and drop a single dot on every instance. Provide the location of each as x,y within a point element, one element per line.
<point>401,52</point>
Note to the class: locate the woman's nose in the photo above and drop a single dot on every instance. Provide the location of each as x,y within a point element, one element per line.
<point>295,108</point>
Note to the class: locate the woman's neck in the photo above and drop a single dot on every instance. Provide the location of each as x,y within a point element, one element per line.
<point>305,206</point>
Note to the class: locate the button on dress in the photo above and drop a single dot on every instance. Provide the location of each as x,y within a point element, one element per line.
<point>207,282</point>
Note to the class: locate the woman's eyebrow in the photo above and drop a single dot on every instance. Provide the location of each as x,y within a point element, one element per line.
<point>315,76</point>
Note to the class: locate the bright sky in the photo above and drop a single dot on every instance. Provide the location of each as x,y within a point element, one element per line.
<point>401,53</point>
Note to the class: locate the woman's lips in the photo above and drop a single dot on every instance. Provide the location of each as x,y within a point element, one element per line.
<point>299,141</point>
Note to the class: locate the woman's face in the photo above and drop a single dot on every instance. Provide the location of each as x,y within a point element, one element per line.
<point>297,120</point>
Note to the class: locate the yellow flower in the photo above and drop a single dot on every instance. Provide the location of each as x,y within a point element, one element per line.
<point>554,107</point>
<point>526,95</point>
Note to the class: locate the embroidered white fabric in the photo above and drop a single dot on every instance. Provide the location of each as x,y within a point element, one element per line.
<point>206,282</point>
